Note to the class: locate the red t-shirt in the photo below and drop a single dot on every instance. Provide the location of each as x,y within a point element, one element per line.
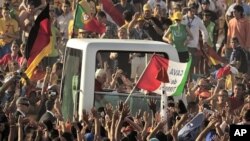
<point>6,58</point>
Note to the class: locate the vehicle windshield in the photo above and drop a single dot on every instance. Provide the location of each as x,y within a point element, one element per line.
<point>71,83</point>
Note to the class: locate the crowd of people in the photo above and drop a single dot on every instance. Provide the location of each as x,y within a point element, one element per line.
<point>219,93</point>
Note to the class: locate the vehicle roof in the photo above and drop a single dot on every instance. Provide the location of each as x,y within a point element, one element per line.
<point>115,44</point>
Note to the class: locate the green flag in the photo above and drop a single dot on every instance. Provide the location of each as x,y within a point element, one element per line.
<point>87,22</point>
<point>79,17</point>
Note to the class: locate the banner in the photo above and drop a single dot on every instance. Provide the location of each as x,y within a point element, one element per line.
<point>178,74</point>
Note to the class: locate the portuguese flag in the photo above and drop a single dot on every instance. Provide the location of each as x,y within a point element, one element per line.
<point>87,22</point>
<point>39,43</point>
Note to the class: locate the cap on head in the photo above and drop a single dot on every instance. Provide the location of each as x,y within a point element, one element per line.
<point>177,16</point>
<point>193,5</point>
<point>146,7</point>
<point>53,90</point>
<point>205,2</point>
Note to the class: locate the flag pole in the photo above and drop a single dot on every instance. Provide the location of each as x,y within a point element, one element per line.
<point>138,80</point>
<point>164,105</point>
<point>73,29</point>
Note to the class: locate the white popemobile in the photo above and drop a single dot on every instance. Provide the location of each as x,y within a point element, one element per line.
<point>78,78</point>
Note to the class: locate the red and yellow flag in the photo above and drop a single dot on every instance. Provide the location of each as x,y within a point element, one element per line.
<point>39,43</point>
<point>212,56</point>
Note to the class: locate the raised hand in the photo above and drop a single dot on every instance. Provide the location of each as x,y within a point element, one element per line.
<point>94,113</point>
<point>145,116</point>
<point>136,15</point>
<point>139,114</point>
<point>109,110</point>
<point>85,116</point>
<point>115,115</point>
<point>174,131</point>
<point>161,124</point>
<point>120,106</point>
<point>212,123</point>
<point>20,121</point>
<point>125,111</point>
<point>152,104</point>
<point>138,118</point>
<point>76,116</point>
<point>157,117</point>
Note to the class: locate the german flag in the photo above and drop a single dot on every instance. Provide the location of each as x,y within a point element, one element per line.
<point>113,12</point>
<point>211,55</point>
<point>39,43</point>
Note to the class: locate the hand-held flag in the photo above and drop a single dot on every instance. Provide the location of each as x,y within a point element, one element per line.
<point>39,43</point>
<point>154,74</point>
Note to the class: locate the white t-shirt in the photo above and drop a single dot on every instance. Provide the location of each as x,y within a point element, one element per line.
<point>63,22</point>
<point>195,25</point>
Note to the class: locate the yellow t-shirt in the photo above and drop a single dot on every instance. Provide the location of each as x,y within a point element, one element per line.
<point>10,27</point>
<point>70,28</point>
